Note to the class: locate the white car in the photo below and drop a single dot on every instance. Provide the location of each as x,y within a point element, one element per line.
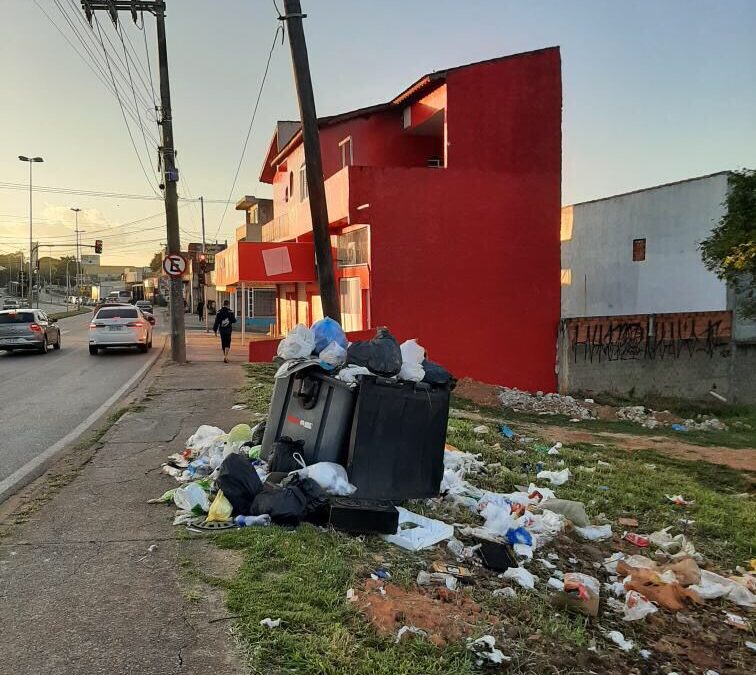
<point>119,326</point>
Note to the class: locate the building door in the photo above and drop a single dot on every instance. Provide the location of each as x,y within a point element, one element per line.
<point>351,304</point>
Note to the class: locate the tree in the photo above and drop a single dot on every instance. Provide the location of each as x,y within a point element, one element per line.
<point>157,261</point>
<point>730,250</point>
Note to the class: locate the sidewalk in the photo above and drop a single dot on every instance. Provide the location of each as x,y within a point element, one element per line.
<point>80,592</point>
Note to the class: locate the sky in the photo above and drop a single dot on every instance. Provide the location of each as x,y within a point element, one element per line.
<point>653,92</point>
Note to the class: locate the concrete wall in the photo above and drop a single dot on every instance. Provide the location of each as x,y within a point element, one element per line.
<point>599,276</point>
<point>678,355</point>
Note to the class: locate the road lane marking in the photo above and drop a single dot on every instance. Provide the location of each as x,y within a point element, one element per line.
<point>36,467</point>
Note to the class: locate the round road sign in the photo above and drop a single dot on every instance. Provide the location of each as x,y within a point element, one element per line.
<point>174,265</point>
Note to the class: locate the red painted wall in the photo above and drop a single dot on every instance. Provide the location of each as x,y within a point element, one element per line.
<point>467,259</point>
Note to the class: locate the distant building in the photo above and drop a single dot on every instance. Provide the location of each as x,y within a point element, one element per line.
<point>641,314</point>
<point>257,212</point>
<point>443,208</point>
<point>637,253</point>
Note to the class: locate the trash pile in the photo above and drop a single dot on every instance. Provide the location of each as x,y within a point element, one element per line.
<point>340,416</point>
<point>544,404</point>
<point>652,419</point>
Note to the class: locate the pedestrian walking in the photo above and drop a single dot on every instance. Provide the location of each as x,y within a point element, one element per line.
<point>201,310</point>
<point>224,323</point>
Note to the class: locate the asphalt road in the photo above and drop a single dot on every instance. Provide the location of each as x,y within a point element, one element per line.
<point>43,397</point>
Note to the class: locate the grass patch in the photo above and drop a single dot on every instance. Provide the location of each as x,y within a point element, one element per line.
<point>65,315</point>
<point>301,577</point>
<point>725,527</point>
<point>258,389</point>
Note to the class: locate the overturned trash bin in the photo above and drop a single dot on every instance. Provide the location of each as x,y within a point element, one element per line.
<point>310,406</point>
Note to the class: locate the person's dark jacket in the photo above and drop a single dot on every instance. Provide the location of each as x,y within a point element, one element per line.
<point>224,320</point>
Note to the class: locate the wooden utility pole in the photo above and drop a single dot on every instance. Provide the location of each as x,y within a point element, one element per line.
<point>313,163</point>
<point>167,150</point>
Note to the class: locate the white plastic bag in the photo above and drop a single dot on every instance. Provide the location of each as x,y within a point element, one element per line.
<point>426,531</point>
<point>191,497</point>
<point>595,532</point>
<point>201,440</point>
<point>298,344</point>
<point>555,477</point>
<point>330,476</point>
<point>637,606</point>
<point>412,359</point>
<point>521,576</point>
<point>351,373</point>
<point>333,355</point>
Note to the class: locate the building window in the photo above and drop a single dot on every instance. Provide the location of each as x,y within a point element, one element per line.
<point>347,158</point>
<point>303,194</point>
<point>639,250</point>
<point>263,302</point>
<point>354,248</point>
<point>253,215</point>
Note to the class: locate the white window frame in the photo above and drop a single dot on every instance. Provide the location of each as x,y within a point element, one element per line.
<point>303,192</point>
<point>342,147</point>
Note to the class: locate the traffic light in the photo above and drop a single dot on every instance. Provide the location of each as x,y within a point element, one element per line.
<point>201,278</point>
<point>98,245</point>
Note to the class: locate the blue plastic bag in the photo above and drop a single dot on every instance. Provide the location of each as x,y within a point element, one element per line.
<point>326,331</point>
<point>520,535</point>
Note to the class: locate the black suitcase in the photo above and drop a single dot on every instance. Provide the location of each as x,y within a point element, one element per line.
<point>396,448</point>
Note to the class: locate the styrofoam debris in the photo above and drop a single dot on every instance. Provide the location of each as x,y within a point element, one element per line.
<point>595,532</point>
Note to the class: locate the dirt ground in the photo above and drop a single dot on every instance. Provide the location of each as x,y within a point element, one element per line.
<point>740,459</point>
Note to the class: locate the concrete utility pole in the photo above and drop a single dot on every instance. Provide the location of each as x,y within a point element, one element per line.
<point>313,163</point>
<point>204,267</point>
<point>31,161</point>
<point>170,173</point>
<point>77,211</point>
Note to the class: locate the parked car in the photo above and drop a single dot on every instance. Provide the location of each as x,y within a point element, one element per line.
<point>11,303</point>
<point>28,329</point>
<point>150,317</point>
<point>145,306</point>
<point>119,326</point>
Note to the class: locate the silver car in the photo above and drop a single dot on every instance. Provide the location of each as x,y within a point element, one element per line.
<point>28,329</point>
<point>119,326</point>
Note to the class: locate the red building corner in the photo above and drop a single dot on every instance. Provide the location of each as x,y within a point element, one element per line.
<point>444,209</point>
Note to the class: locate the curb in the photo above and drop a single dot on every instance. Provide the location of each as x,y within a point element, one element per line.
<point>37,466</point>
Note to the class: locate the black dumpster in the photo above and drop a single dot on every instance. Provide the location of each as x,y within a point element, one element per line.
<point>396,449</point>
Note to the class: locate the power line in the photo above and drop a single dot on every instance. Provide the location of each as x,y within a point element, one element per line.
<point>5,185</point>
<point>125,121</point>
<point>279,29</point>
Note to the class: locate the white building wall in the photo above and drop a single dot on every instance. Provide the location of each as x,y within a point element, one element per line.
<point>599,276</point>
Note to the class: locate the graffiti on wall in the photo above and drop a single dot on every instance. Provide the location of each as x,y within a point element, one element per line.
<point>649,337</point>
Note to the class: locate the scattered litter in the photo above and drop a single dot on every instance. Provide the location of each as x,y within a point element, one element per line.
<point>640,415</point>
<point>481,429</point>
<point>679,427</point>
<point>556,584</point>
<point>409,630</point>
<point>351,595</point>
<point>152,548</point>
<point>548,565</point>
<point>679,500</point>
<point>253,521</point>
<point>437,579</point>
<point>637,607</point>
<point>298,344</point>
<point>736,621</point>
<point>417,532</point>
<point>239,406</point>
<point>554,449</point>
<point>485,650</point>
<point>507,432</point>
<point>749,644</point>
<point>522,576</point>
<point>645,653</point>
<point>636,539</point>
<point>459,550</point>
<point>595,532</point>
<point>508,593</point>
<point>220,510</point>
<point>555,477</point>
<point>581,593</point>
<point>270,623</point>
<point>191,497</point>
<point>454,570</point>
<point>617,638</point>
<point>628,522</point>
<point>571,510</point>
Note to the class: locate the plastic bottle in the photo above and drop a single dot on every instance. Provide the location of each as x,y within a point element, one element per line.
<point>252,521</point>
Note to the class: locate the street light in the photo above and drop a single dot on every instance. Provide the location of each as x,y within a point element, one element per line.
<point>31,161</point>
<point>78,258</point>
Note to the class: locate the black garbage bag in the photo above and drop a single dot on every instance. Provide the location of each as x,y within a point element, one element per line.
<point>437,374</point>
<point>258,431</point>
<point>282,455</point>
<point>240,483</point>
<point>289,505</point>
<point>381,355</point>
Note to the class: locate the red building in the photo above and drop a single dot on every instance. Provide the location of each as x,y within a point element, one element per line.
<point>444,210</point>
